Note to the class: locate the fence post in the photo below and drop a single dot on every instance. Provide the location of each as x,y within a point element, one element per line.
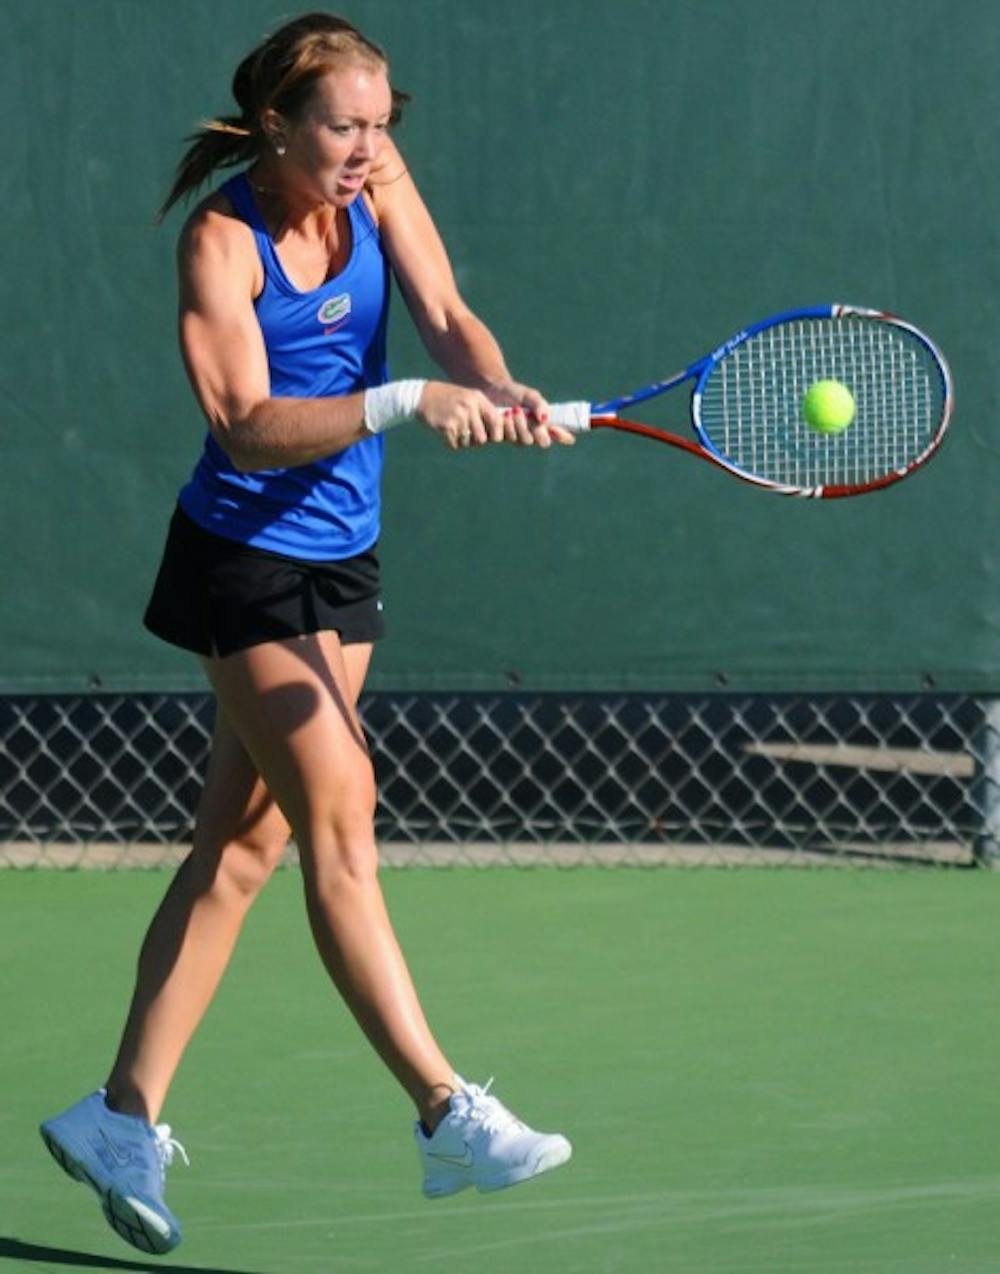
<point>986,791</point>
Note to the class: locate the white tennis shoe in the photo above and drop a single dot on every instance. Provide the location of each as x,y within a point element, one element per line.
<point>124,1159</point>
<point>480,1143</point>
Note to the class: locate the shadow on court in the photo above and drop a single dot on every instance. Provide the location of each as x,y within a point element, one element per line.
<point>16,1250</point>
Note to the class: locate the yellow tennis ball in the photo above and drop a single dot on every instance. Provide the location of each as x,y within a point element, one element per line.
<point>828,406</point>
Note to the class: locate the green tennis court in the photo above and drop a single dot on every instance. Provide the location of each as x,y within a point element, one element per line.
<point>760,1071</point>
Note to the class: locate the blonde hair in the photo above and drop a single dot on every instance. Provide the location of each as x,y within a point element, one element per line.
<point>278,74</point>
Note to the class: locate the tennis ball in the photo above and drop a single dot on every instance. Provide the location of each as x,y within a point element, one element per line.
<point>828,406</point>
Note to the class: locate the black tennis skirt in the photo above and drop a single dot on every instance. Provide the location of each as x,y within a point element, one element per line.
<point>216,596</point>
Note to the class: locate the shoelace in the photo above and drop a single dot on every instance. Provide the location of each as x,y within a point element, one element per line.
<point>488,1111</point>
<point>166,1146</point>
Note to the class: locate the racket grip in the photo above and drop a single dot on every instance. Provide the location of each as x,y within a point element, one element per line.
<point>573,417</point>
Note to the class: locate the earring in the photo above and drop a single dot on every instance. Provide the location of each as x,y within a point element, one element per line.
<point>279,146</point>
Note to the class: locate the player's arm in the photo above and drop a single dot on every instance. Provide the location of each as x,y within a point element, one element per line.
<point>226,361</point>
<point>458,341</point>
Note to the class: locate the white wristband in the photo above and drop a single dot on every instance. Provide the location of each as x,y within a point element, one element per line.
<point>575,417</point>
<point>392,404</point>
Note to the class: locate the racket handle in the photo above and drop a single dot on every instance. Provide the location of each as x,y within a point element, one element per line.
<point>573,417</point>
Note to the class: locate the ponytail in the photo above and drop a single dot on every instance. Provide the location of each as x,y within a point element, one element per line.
<point>219,143</point>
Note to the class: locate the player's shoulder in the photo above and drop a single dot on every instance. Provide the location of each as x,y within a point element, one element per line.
<point>213,229</point>
<point>389,178</point>
<point>390,165</point>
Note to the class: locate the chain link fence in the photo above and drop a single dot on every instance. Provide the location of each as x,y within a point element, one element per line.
<point>626,779</point>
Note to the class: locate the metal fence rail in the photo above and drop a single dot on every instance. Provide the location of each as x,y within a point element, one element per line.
<point>113,780</point>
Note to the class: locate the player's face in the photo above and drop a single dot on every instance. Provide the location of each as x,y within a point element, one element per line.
<point>340,133</point>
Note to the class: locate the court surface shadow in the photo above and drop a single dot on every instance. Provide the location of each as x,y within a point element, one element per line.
<point>12,1249</point>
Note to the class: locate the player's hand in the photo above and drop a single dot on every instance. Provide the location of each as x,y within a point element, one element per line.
<point>525,416</point>
<point>461,417</point>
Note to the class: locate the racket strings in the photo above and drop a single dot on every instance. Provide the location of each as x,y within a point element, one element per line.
<point>751,402</point>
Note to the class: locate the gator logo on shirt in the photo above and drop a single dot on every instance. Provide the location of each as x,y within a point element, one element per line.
<point>335,312</point>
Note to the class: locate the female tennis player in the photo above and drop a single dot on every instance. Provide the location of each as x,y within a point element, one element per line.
<point>270,576</point>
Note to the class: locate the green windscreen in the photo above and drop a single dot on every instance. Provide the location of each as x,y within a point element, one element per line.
<point>620,187</point>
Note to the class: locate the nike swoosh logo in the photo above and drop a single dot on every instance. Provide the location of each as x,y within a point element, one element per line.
<point>120,1157</point>
<point>457,1161</point>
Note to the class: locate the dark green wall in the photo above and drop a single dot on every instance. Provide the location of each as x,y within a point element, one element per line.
<point>621,185</point>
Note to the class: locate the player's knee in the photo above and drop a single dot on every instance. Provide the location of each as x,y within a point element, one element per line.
<point>336,837</point>
<point>340,851</point>
<point>247,862</point>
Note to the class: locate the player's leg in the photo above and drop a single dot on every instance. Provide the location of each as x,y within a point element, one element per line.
<point>357,657</point>
<point>240,835</point>
<point>293,705</point>
<point>309,745</point>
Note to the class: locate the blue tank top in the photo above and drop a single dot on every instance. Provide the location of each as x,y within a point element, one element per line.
<point>327,342</point>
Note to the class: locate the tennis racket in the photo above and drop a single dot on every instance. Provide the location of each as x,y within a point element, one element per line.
<point>747,395</point>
